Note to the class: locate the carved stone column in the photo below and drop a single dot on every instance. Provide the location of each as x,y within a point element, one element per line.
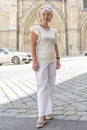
<point>13,24</point>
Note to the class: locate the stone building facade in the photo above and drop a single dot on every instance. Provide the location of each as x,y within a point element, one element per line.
<point>70,20</point>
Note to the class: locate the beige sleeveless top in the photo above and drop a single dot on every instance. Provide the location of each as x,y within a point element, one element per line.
<point>45,49</point>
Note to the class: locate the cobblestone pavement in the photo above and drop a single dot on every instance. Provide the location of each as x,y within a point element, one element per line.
<point>18,94</point>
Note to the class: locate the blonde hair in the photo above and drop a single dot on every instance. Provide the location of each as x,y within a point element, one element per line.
<point>43,8</point>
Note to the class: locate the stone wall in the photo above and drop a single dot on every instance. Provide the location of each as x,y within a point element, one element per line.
<point>70,20</point>
<point>4,23</point>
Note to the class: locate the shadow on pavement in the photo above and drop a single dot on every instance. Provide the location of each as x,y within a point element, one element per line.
<point>9,123</point>
<point>18,123</point>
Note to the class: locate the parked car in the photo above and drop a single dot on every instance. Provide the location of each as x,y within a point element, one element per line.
<point>13,56</point>
<point>86,54</point>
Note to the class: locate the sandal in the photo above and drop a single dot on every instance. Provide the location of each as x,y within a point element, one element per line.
<point>49,117</point>
<point>41,123</point>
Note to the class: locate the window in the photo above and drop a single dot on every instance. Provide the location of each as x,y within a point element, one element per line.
<point>85,4</point>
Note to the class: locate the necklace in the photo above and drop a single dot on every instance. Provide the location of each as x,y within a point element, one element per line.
<point>47,29</point>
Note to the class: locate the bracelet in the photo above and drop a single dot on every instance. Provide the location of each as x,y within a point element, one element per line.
<point>58,58</point>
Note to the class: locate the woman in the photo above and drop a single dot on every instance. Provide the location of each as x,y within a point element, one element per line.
<point>46,60</point>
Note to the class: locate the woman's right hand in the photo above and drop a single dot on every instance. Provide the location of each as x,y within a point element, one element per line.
<point>35,66</point>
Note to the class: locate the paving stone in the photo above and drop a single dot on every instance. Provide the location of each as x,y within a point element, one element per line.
<point>84,118</point>
<point>19,96</point>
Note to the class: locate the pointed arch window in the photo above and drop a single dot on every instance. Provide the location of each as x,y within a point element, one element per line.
<point>85,4</point>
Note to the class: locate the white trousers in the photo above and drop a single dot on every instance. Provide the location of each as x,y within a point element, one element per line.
<point>45,83</point>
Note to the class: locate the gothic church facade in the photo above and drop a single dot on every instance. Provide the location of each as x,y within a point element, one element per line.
<point>70,20</point>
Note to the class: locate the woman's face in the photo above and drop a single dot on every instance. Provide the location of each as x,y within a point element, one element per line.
<point>45,16</point>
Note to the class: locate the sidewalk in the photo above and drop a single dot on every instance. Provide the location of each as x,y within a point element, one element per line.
<point>18,104</point>
<point>29,124</point>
